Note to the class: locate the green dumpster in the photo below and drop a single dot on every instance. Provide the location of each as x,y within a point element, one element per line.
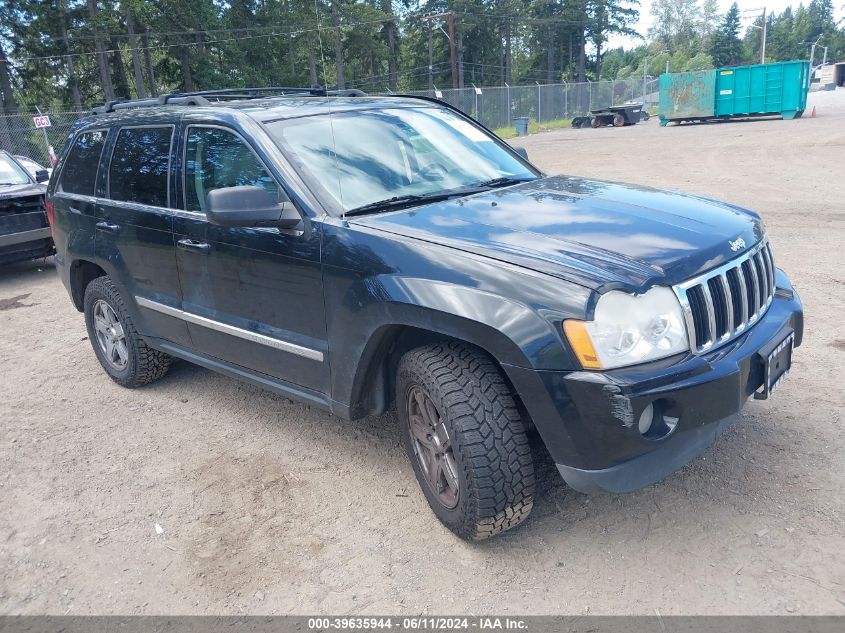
<point>762,89</point>
<point>738,91</point>
<point>687,96</point>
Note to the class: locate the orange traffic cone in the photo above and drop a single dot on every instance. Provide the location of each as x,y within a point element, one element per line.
<point>813,113</point>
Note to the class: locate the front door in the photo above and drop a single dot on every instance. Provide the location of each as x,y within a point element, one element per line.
<point>251,296</point>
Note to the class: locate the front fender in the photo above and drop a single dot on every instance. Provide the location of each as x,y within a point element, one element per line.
<point>510,331</point>
<point>377,283</point>
<point>376,309</point>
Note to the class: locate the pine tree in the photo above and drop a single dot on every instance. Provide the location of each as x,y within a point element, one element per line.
<point>727,47</point>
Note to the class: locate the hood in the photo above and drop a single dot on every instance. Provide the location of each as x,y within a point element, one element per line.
<point>19,191</point>
<point>597,234</point>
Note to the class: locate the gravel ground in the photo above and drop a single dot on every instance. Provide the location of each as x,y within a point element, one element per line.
<point>268,506</point>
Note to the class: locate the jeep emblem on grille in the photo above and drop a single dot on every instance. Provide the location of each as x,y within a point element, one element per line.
<point>737,244</point>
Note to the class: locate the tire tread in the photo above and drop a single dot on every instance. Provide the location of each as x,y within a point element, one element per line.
<point>491,437</point>
<point>148,364</point>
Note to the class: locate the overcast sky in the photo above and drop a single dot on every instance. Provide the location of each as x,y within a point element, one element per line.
<point>776,6</point>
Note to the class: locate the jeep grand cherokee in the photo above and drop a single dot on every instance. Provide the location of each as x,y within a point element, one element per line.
<point>358,252</point>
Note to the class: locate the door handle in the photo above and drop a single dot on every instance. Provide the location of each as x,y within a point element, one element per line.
<point>107,228</point>
<point>193,245</point>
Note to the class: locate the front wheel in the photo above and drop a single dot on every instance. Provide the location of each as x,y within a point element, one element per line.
<point>465,438</point>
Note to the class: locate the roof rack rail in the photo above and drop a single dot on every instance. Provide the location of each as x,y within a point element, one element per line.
<point>208,97</point>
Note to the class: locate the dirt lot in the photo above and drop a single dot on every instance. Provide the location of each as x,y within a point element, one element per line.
<point>268,506</point>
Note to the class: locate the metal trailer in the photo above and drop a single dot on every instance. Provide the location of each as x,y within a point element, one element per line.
<point>617,116</point>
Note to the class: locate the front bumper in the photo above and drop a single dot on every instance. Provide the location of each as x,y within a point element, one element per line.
<point>25,245</point>
<point>588,420</point>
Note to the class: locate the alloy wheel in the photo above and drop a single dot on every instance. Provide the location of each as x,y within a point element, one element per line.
<point>110,335</point>
<point>433,447</point>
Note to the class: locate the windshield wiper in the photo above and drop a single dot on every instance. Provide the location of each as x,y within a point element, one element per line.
<point>504,181</point>
<point>399,202</point>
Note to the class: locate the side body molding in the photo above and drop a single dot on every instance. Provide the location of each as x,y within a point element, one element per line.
<point>247,335</point>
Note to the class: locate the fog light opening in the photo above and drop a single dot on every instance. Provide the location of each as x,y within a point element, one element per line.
<point>646,419</point>
<point>655,423</point>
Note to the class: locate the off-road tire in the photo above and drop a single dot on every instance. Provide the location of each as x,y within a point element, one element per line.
<point>145,364</point>
<point>486,432</point>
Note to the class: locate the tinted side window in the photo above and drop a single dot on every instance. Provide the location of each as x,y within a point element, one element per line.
<point>79,175</point>
<point>139,165</point>
<point>214,159</point>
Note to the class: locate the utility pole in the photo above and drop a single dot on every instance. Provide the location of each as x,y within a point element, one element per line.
<point>450,19</point>
<point>762,28</point>
<point>430,59</point>
<point>813,51</point>
<point>452,49</point>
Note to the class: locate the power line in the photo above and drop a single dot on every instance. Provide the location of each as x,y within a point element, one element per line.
<point>392,18</point>
<point>201,43</point>
<point>522,19</point>
<point>419,71</point>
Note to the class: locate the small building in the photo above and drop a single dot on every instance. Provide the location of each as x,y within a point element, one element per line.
<point>832,76</point>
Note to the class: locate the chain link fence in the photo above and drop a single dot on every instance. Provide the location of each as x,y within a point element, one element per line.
<point>495,107</point>
<point>19,136</point>
<point>498,106</point>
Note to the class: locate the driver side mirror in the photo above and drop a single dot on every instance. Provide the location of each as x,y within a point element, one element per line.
<point>521,151</point>
<point>250,206</point>
<point>42,175</point>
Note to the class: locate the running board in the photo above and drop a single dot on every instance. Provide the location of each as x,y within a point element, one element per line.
<point>286,389</point>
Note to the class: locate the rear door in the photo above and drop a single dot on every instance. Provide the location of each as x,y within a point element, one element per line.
<point>75,196</point>
<point>252,296</point>
<point>134,231</point>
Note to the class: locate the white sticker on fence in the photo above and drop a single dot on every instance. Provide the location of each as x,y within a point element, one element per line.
<point>41,121</point>
<point>726,92</point>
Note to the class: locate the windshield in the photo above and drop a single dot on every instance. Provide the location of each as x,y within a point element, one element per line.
<point>364,157</point>
<point>11,173</point>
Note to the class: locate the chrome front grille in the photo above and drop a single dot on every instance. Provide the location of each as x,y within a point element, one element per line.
<point>724,302</point>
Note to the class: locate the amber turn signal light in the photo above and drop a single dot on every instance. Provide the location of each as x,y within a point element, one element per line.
<point>579,340</point>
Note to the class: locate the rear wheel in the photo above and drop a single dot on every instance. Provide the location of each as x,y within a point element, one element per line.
<point>465,438</point>
<point>618,120</point>
<point>125,356</point>
<point>597,122</point>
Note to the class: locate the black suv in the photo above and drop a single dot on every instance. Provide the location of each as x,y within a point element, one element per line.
<point>24,232</point>
<point>354,252</point>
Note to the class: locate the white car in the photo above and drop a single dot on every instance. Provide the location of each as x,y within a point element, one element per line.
<point>32,167</point>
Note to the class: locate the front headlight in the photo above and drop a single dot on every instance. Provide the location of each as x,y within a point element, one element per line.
<point>629,329</point>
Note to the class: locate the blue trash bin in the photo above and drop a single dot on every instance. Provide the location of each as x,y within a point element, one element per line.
<point>521,123</point>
